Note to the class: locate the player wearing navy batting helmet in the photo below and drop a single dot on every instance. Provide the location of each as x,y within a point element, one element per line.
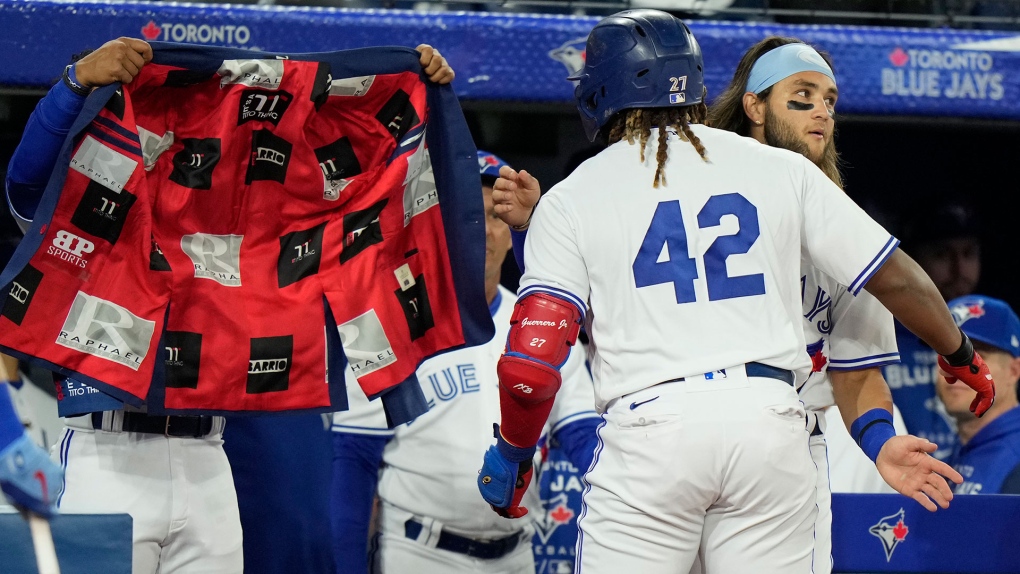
<point>691,292</point>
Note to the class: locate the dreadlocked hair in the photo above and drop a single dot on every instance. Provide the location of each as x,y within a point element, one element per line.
<point>635,126</point>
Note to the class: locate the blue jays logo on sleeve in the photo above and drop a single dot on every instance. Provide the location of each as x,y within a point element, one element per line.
<point>816,352</point>
<point>822,304</point>
<point>891,530</point>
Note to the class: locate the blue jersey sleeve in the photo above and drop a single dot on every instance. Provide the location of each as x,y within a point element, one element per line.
<point>517,238</point>
<point>36,154</point>
<point>578,440</point>
<point>356,460</point>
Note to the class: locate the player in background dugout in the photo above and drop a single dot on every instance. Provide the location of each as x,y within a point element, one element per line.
<point>988,455</point>
<point>943,238</point>
<point>431,520</point>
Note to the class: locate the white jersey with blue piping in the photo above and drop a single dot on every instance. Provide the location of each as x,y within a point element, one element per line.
<point>843,333</point>
<point>430,465</point>
<point>703,273</point>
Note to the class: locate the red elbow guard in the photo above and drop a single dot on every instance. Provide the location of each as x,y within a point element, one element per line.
<point>542,330</point>
<point>526,380</point>
<point>543,327</point>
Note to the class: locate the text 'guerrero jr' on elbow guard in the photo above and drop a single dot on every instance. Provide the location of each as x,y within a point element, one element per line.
<point>542,330</point>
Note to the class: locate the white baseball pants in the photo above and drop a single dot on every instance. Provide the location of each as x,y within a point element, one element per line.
<point>718,470</point>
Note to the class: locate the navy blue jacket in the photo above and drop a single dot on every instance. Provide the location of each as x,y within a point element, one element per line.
<point>990,461</point>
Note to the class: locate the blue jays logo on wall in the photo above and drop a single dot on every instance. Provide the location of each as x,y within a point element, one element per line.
<point>891,531</point>
<point>964,313</point>
<point>557,512</point>
<point>571,54</point>
<point>966,71</point>
<point>218,34</point>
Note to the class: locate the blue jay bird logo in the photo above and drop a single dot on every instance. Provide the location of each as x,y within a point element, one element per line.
<point>571,54</point>
<point>967,311</point>
<point>891,531</point>
<point>557,513</point>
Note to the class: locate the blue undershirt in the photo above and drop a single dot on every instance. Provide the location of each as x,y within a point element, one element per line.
<point>37,153</point>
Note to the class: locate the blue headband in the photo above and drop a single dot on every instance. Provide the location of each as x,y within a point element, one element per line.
<point>783,62</point>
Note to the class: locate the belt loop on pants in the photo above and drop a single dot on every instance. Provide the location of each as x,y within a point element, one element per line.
<point>484,549</point>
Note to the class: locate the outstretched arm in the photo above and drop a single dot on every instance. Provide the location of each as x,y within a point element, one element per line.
<point>904,288</point>
<point>903,461</point>
<point>907,291</point>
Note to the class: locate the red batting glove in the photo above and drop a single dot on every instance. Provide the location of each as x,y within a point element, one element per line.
<point>976,376</point>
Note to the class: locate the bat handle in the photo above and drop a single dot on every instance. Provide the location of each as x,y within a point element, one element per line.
<point>42,539</point>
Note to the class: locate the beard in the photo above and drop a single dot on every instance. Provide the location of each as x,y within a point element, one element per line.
<point>781,134</point>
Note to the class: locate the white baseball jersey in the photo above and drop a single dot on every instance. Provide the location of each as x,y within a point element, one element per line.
<point>430,466</point>
<point>843,333</point>
<point>701,274</point>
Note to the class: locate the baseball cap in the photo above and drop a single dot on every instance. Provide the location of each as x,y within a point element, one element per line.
<point>488,165</point>
<point>990,321</point>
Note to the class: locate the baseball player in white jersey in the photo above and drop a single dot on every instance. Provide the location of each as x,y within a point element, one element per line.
<point>851,342</point>
<point>694,294</point>
<point>431,519</point>
<point>784,94</point>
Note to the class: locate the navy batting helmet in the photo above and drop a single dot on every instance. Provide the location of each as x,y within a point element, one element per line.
<point>637,59</point>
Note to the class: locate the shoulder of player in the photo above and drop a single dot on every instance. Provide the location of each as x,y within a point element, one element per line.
<point>815,279</point>
<point>744,146</point>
